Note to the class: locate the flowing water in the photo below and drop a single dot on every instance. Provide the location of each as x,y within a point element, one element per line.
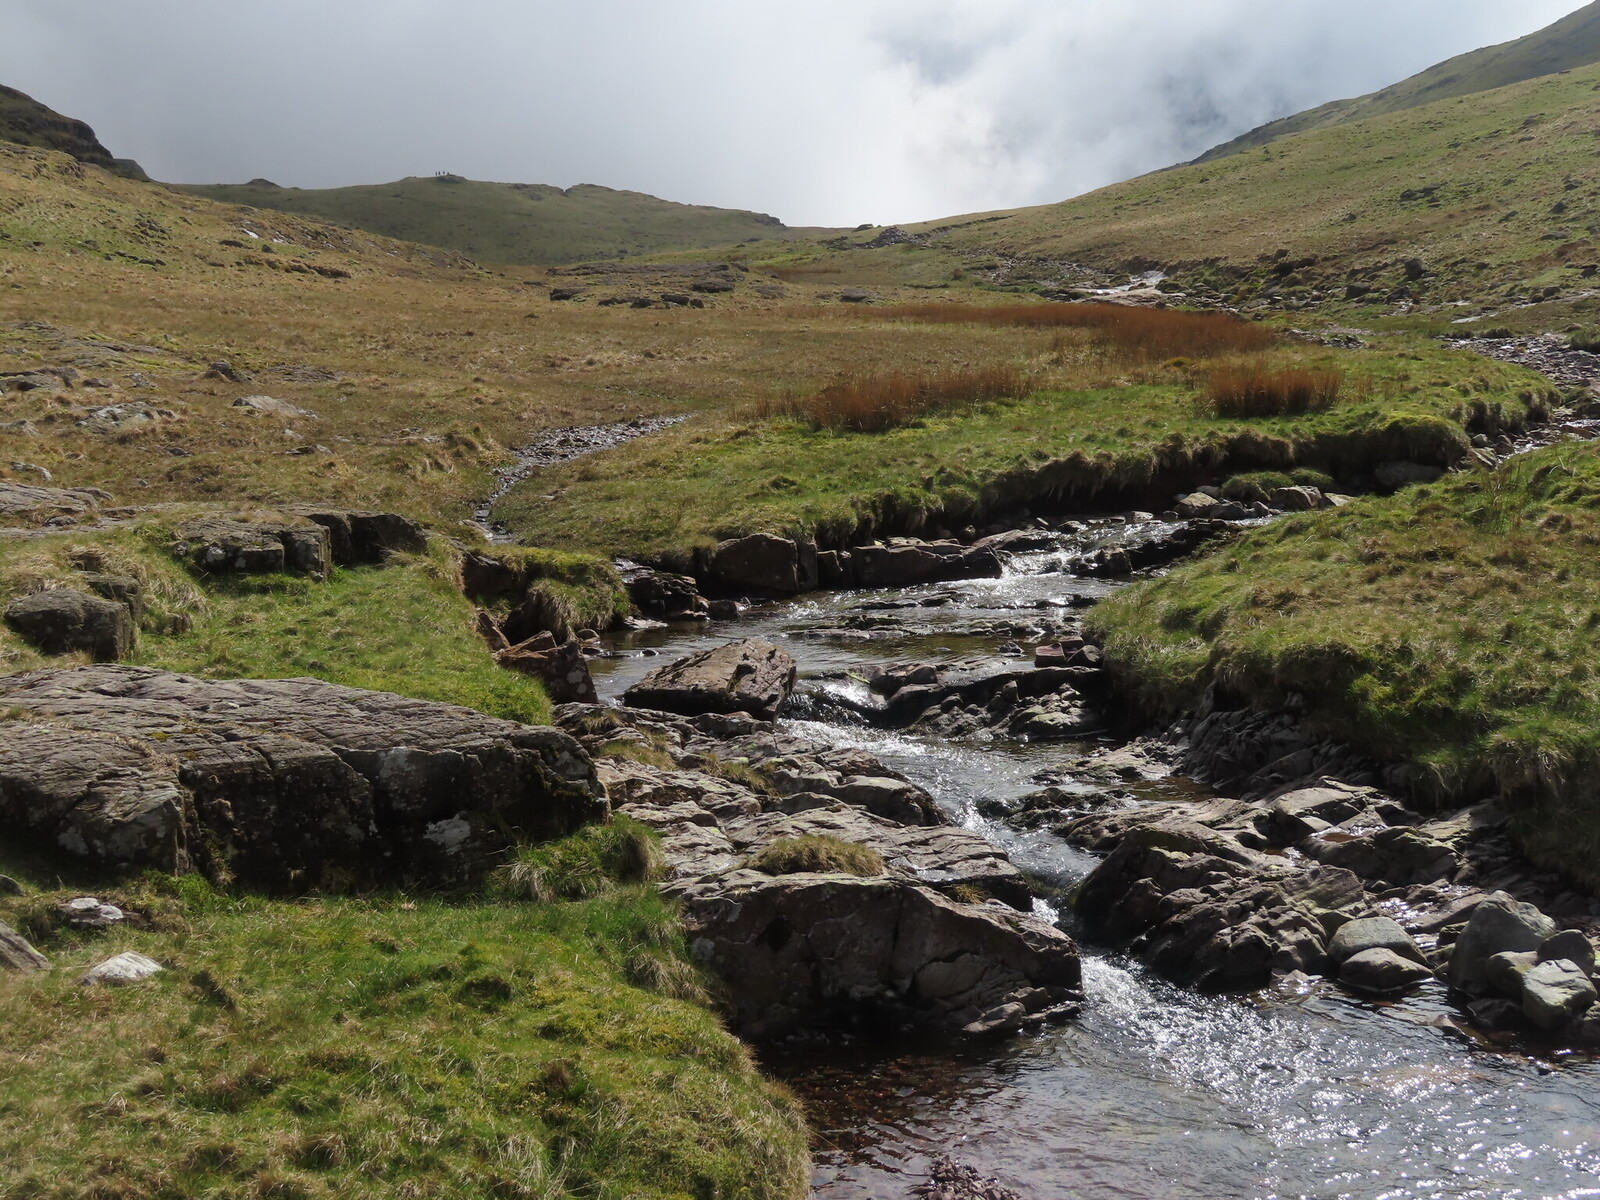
<point>1156,1092</point>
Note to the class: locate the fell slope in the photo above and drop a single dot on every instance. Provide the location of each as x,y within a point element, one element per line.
<point>1573,41</point>
<point>1497,195</point>
<point>513,223</point>
<point>26,122</point>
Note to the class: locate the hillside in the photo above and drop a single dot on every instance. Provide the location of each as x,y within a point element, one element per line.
<point>512,223</point>
<point>1481,201</point>
<point>1573,41</point>
<point>26,122</point>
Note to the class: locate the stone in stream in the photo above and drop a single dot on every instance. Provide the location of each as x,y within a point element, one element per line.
<point>905,563</point>
<point>752,676</point>
<point>1498,924</point>
<point>1395,856</point>
<point>1382,972</point>
<point>16,954</point>
<point>1571,944</point>
<point>765,562</point>
<point>806,950</point>
<point>1372,933</point>
<point>1556,993</point>
<point>64,621</point>
<point>1505,972</point>
<point>284,784</point>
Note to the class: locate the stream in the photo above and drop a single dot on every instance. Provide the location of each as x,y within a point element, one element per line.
<point>1156,1092</point>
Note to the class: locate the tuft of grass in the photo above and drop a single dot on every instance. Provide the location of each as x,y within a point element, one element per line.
<point>875,403</point>
<point>592,862</point>
<point>555,590</point>
<point>1260,390</point>
<point>1255,485</point>
<point>815,853</point>
<point>1485,690</point>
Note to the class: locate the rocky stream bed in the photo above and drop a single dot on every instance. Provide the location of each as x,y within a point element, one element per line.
<point>1217,1052</point>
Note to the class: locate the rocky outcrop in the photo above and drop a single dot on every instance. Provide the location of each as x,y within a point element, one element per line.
<point>24,504</point>
<point>280,783</point>
<point>225,544</point>
<point>764,562</point>
<point>67,621</point>
<point>1517,971</point>
<point>662,594</point>
<point>752,676</point>
<point>357,537</point>
<point>800,950</point>
<point>903,562</point>
<point>942,939</point>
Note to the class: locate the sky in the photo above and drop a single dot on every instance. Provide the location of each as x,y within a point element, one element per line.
<point>823,112</point>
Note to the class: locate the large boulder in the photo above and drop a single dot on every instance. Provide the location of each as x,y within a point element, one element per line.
<point>560,666</point>
<point>1556,993</point>
<point>751,676</point>
<point>662,594</point>
<point>764,562</point>
<point>356,536</point>
<point>66,621</point>
<point>1382,972</point>
<point>1396,856</point>
<point>281,783</point>
<point>29,505</point>
<point>904,564</point>
<point>1500,923</point>
<point>1372,933</point>
<point>804,950</point>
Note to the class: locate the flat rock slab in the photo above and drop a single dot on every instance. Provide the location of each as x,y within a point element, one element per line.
<point>796,949</point>
<point>35,505</point>
<point>284,783</point>
<point>752,676</point>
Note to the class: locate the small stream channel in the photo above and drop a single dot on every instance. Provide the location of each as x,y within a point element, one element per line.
<point>1156,1092</point>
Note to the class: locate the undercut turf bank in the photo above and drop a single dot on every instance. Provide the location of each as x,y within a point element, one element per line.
<point>1131,444</point>
<point>1452,627</point>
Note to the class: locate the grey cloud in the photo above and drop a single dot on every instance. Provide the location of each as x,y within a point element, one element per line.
<point>831,112</point>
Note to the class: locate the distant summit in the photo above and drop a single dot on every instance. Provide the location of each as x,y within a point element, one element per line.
<point>1573,41</point>
<point>525,224</point>
<point>28,123</point>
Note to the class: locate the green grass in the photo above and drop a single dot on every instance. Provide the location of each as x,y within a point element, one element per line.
<point>378,1048</point>
<point>401,628</point>
<point>510,222</point>
<point>665,496</point>
<point>1451,626</point>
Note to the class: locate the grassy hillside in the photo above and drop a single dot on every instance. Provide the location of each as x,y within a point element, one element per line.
<point>1487,687</point>
<point>1573,41</point>
<point>26,122</point>
<point>1496,196</point>
<point>514,223</point>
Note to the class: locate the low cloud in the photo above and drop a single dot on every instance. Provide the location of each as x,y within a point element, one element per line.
<point>832,112</point>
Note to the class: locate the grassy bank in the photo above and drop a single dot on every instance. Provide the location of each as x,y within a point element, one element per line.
<point>403,628</point>
<point>1450,626</point>
<point>1096,427</point>
<point>375,1047</point>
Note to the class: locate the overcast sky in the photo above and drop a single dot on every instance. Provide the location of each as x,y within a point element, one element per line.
<point>827,112</point>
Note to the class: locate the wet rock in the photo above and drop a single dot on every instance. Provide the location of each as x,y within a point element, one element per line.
<point>1372,933</point>
<point>1556,993</point>
<point>662,594</point>
<point>806,950</point>
<point>1498,924</point>
<point>1394,856</point>
<point>280,783</point>
<point>125,968</point>
<point>1382,972</point>
<point>1572,945</point>
<point>950,1180</point>
<point>1505,972</point>
<point>561,667</point>
<point>1196,504</point>
<point>17,955</point>
<point>227,544</point>
<point>65,621</point>
<point>751,676</point>
<point>907,564</point>
<point>767,563</point>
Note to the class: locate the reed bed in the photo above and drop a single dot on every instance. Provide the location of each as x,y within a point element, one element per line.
<point>877,402</point>
<point>1260,390</point>
<point>1148,334</point>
